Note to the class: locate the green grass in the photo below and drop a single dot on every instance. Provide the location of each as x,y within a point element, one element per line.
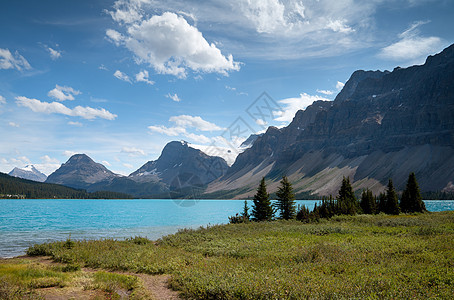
<point>375,257</point>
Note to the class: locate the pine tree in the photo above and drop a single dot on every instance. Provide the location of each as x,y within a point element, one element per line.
<point>261,208</point>
<point>392,202</point>
<point>245,213</point>
<point>368,202</point>
<point>381,203</point>
<point>411,198</point>
<point>286,200</point>
<point>346,201</point>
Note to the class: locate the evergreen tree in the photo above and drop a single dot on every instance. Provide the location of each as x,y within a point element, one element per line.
<point>411,198</point>
<point>303,214</point>
<point>261,208</point>
<point>392,202</point>
<point>286,200</point>
<point>381,203</point>
<point>346,201</point>
<point>245,213</point>
<point>367,203</point>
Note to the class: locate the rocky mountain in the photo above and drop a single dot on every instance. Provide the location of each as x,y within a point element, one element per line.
<point>29,172</point>
<point>381,125</point>
<point>180,166</point>
<point>80,171</point>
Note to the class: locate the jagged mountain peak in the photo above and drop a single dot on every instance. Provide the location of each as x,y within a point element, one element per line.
<point>29,172</point>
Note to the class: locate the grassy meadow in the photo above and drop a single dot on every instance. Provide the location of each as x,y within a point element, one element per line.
<point>363,257</point>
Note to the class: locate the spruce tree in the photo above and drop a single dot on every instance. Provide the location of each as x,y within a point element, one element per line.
<point>381,203</point>
<point>286,200</point>
<point>346,201</point>
<point>392,202</point>
<point>261,208</point>
<point>245,213</point>
<point>368,202</point>
<point>411,198</point>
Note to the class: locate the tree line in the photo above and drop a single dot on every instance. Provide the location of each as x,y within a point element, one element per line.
<point>345,203</point>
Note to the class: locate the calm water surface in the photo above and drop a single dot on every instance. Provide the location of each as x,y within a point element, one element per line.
<point>27,222</point>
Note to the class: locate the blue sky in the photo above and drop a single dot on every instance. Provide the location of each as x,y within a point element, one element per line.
<point>117,80</point>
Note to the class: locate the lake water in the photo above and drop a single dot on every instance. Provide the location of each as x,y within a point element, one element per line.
<point>27,222</point>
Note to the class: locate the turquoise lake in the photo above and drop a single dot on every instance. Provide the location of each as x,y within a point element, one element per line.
<point>27,222</point>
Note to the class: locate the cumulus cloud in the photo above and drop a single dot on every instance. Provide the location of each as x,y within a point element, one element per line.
<point>142,76</point>
<point>63,93</point>
<point>12,124</point>
<point>196,122</point>
<point>292,105</point>
<point>10,61</point>
<point>122,76</point>
<point>132,151</point>
<point>411,45</point>
<point>169,131</point>
<point>174,97</point>
<point>2,100</point>
<point>168,43</point>
<point>54,54</point>
<point>58,108</point>
<point>339,26</point>
<point>183,123</point>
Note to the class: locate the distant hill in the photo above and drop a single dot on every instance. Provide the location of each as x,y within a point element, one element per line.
<point>29,172</point>
<point>12,187</point>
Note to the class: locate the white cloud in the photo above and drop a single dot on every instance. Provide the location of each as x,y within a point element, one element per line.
<point>69,153</point>
<point>62,93</point>
<point>267,15</point>
<point>170,131</point>
<point>103,67</point>
<point>230,88</point>
<point>411,45</point>
<point>339,85</point>
<point>199,138</point>
<point>10,61</point>
<point>174,97</point>
<point>2,100</point>
<point>292,105</point>
<point>339,26</point>
<point>261,122</point>
<point>142,76</point>
<point>169,44</point>
<point>77,124</point>
<point>325,92</point>
<point>115,36</point>
<point>54,54</point>
<point>196,122</point>
<point>106,163</point>
<point>58,108</point>
<point>133,151</point>
<point>12,124</point>
<point>122,76</point>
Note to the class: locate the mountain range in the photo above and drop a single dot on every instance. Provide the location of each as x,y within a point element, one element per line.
<point>381,125</point>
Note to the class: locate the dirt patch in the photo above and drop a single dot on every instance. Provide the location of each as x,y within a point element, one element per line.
<point>158,286</point>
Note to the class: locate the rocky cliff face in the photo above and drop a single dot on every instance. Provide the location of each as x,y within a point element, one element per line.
<point>80,171</point>
<point>180,165</point>
<point>29,172</point>
<point>381,125</point>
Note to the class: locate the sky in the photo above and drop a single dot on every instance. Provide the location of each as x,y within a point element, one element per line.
<point>118,80</point>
